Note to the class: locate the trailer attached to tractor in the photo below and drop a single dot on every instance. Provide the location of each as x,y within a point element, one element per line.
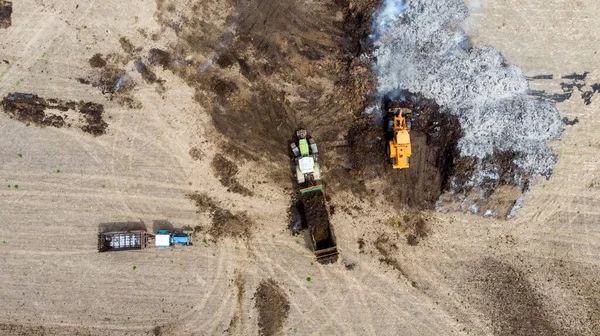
<point>140,239</point>
<point>312,199</point>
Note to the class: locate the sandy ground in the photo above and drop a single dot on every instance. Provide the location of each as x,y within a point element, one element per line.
<point>534,274</point>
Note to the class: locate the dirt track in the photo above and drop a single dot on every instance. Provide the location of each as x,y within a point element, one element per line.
<point>272,73</point>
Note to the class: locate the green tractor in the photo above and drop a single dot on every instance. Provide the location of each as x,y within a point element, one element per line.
<point>305,154</point>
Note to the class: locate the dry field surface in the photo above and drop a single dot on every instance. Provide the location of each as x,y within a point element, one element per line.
<point>178,112</point>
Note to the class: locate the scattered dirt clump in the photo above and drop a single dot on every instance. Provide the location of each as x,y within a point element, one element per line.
<point>204,202</point>
<point>30,108</point>
<point>414,225</point>
<point>196,153</point>
<point>115,82</point>
<point>361,245</point>
<point>97,61</point>
<point>273,307</point>
<point>127,46</point>
<point>114,79</point>
<point>224,222</point>
<point>386,248</point>
<point>225,170</point>
<point>148,75</point>
<point>92,113</point>
<point>159,57</point>
<point>5,14</point>
<point>227,224</point>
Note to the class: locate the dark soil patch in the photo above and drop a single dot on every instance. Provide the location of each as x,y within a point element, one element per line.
<point>224,222</point>
<point>225,170</point>
<point>511,302</point>
<point>5,14</point>
<point>16,329</point>
<point>420,228</point>
<point>227,224</point>
<point>204,202</point>
<point>387,247</point>
<point>159,57</point>
<point>32,109</point>
<point>279,45</point>
<point>114,79</point>
<point>127,46</point>
<point>414,224</point>
<point>97,61</point>
<point>196,153</point>
<point>434,135</point>
<point>568,122</point>
<point>361,245</point>
<point>92,113</point>
<point>273,307</point>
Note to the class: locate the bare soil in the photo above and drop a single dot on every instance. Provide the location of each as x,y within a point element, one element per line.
<point>512,302</point>
<point>97,61</point>
<point>5,13</point>
<point>273,307</point>
<point>225,170</point>
<point>240,285</point>
<point>30,108</point>
<point>387,248</point>
<point>239,78</point>
<point>224,222</point>
<point>277,44</point>
<point>434,135</point>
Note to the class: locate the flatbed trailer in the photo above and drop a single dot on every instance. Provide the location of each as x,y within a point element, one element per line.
<point>122,240</point>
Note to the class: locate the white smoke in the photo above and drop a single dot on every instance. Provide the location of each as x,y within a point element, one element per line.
<point>420,48</point>
<point>391,12</point>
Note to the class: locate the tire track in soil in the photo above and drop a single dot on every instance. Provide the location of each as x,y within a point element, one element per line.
<point>267,263</point>
<point>317,301</point>
<point>216,292</point>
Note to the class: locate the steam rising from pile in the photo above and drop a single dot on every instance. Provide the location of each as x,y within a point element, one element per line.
<point>419,48</point>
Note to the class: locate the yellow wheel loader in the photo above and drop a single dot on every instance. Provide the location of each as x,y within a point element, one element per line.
<point>398,147</point>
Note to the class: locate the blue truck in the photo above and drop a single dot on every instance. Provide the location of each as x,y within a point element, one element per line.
<point>164,238</point>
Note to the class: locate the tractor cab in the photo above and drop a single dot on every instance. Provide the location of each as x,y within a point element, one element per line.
<point>305,155</point>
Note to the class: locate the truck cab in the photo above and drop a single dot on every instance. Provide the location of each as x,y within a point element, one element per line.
<point>164,239</point>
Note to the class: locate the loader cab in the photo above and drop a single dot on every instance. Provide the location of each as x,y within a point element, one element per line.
<point>399,147</point>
